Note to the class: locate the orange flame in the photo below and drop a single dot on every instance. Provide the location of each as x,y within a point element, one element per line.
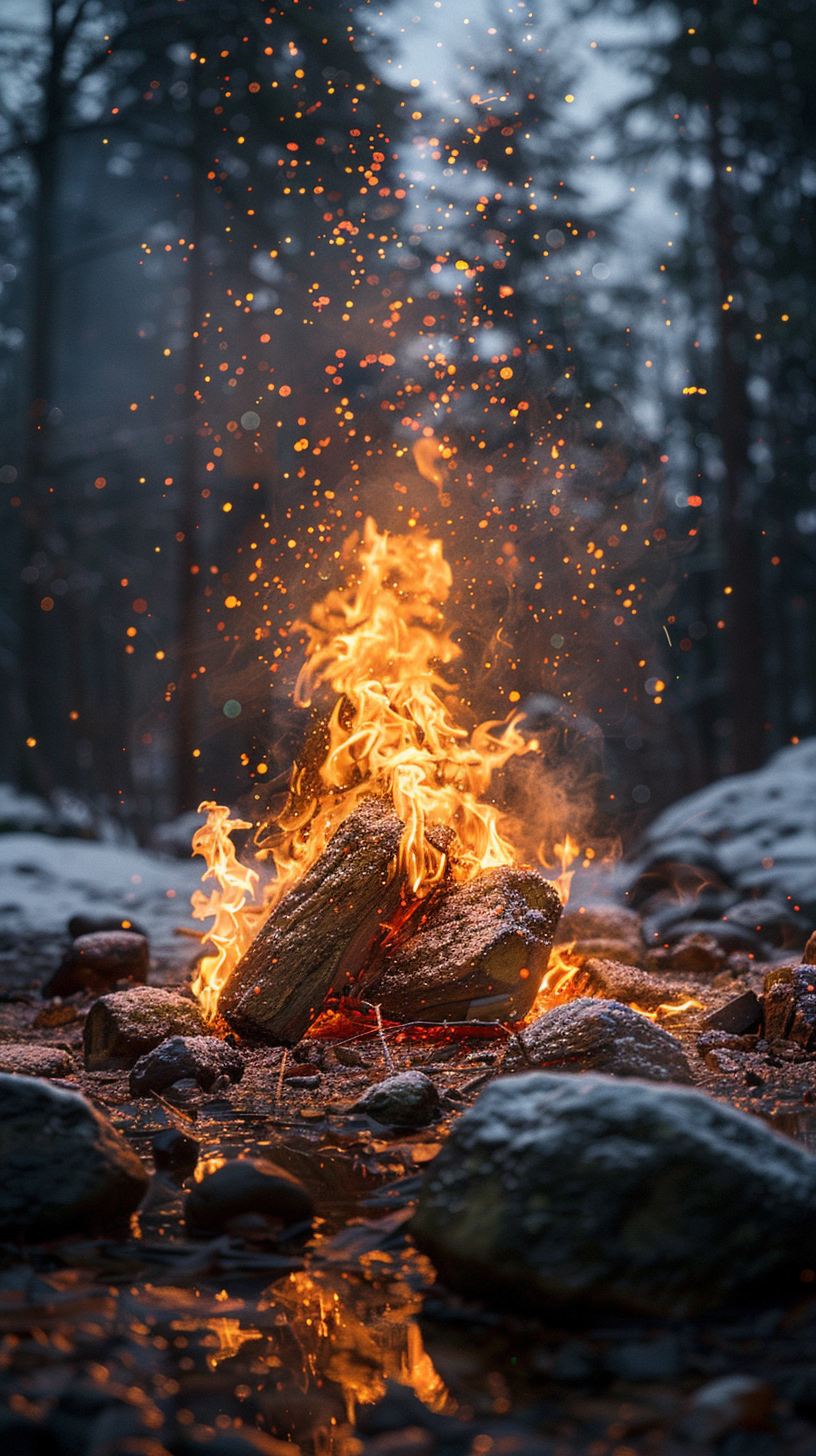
<point>234,923</point>
<point>379,645</point>
<point>567,852</point>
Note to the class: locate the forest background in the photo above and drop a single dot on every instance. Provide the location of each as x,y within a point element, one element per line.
<point>538,279</point>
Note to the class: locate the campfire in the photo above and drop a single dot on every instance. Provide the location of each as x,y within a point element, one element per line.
<point>397,886</point>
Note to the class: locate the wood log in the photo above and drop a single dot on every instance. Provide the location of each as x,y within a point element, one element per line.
<point>616,981</point>
<point>476,952</point>
<point>320,933</point>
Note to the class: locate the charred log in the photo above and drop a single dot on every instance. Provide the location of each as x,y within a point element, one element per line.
<point>321,933</point>
<point>477,952</point>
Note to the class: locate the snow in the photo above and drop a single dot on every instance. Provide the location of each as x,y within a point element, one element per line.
<point>757,830</point>
<point>44,881</point>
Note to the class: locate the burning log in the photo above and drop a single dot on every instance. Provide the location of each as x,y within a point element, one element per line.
<point>478,952</point>
<point>320,933</point>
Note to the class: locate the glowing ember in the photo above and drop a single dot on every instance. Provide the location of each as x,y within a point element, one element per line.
<point>378,646</point>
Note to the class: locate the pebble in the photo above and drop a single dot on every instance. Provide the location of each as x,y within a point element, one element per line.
<point>30,1060</point>
<point>96,962</point>
<point>202,1058</point>
<point>741,1015</point>
<point>122,1026</point>
<point>408,1099</point>
<point>247,1195</point>
<point>66,1170</point>
<point>174,1152</point>
<point>587,1192</point>
<point>590,1035</point>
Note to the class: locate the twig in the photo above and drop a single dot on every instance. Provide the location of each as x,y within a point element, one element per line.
<point>389,1061</point>
<point>279,1090</point>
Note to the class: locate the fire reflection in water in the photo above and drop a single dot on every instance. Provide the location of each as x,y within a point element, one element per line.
<point>318,1345</point>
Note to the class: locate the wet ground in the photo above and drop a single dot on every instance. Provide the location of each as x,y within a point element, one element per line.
<point>343,1343</point>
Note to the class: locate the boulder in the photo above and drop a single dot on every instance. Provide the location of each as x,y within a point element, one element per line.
<point>66,1170</point>
<point>598,1036</point>
<point>408,1099</point>
<point>247,1195</point>
<point>203,1058</point>
<point>122,1026</point>
<point>97,961</point>
<point>754,831</point>
<point>31,1060</point>
<point>597,1194</point>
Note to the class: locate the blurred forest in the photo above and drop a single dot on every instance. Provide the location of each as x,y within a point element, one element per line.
<point>537,278</point>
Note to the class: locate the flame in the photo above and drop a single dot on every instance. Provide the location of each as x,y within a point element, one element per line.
<point>378,645</point>
<point>235,920</point>
<point>567,852</point>
<point>427,452</point>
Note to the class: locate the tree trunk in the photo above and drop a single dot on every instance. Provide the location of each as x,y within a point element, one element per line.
<point>744,665</point>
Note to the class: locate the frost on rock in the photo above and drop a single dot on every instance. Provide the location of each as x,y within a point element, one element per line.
<point>756,830</point>
<point>587,1192</point>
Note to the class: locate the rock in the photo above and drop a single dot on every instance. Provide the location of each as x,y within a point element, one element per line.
<point>247,1195</point>
<point>32,1060</point>
<point>809,956</point>
<point>741,1015</point>
<point>754,831</point>
<point>203,1058</point>
<point>727,936</point>
<point>771,920</point>
<point>124,1025</point>
<point>789,1005</point>
<point>174,1152</point>
<point>615,1195</point>
<point>618,982</point>
<point>609,931</point>
<point>598,1036</point>
<point>89,924</point>
<point>698,955</point>
<point>408,1099</point>
<point>96,962</point>
<point>66,1169</point>
<point>726,1404</point>
<point>725,1041</point>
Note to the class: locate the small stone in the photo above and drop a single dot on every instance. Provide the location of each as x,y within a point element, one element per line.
<point>590,1035</point>
<point>349,1057</point>
<point>591,1193</point>
<point>66,1169</point>
<point>726,1404</point>
<point>698,955</point>
<point>174,1152</point>
<point>247,1195</point>
<point>726,1041</point>
<point>56,1015</point>
<point>789,1005</point>
<point>96,962</point>
<point>202,1058</point>
<point>408,1099</point>
<point>742,1015</point>
<point>30,1060</point>
<point>301,1069</point>
<point>122,1026</point>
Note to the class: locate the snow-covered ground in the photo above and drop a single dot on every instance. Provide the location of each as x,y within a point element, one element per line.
<point>44,881</point>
